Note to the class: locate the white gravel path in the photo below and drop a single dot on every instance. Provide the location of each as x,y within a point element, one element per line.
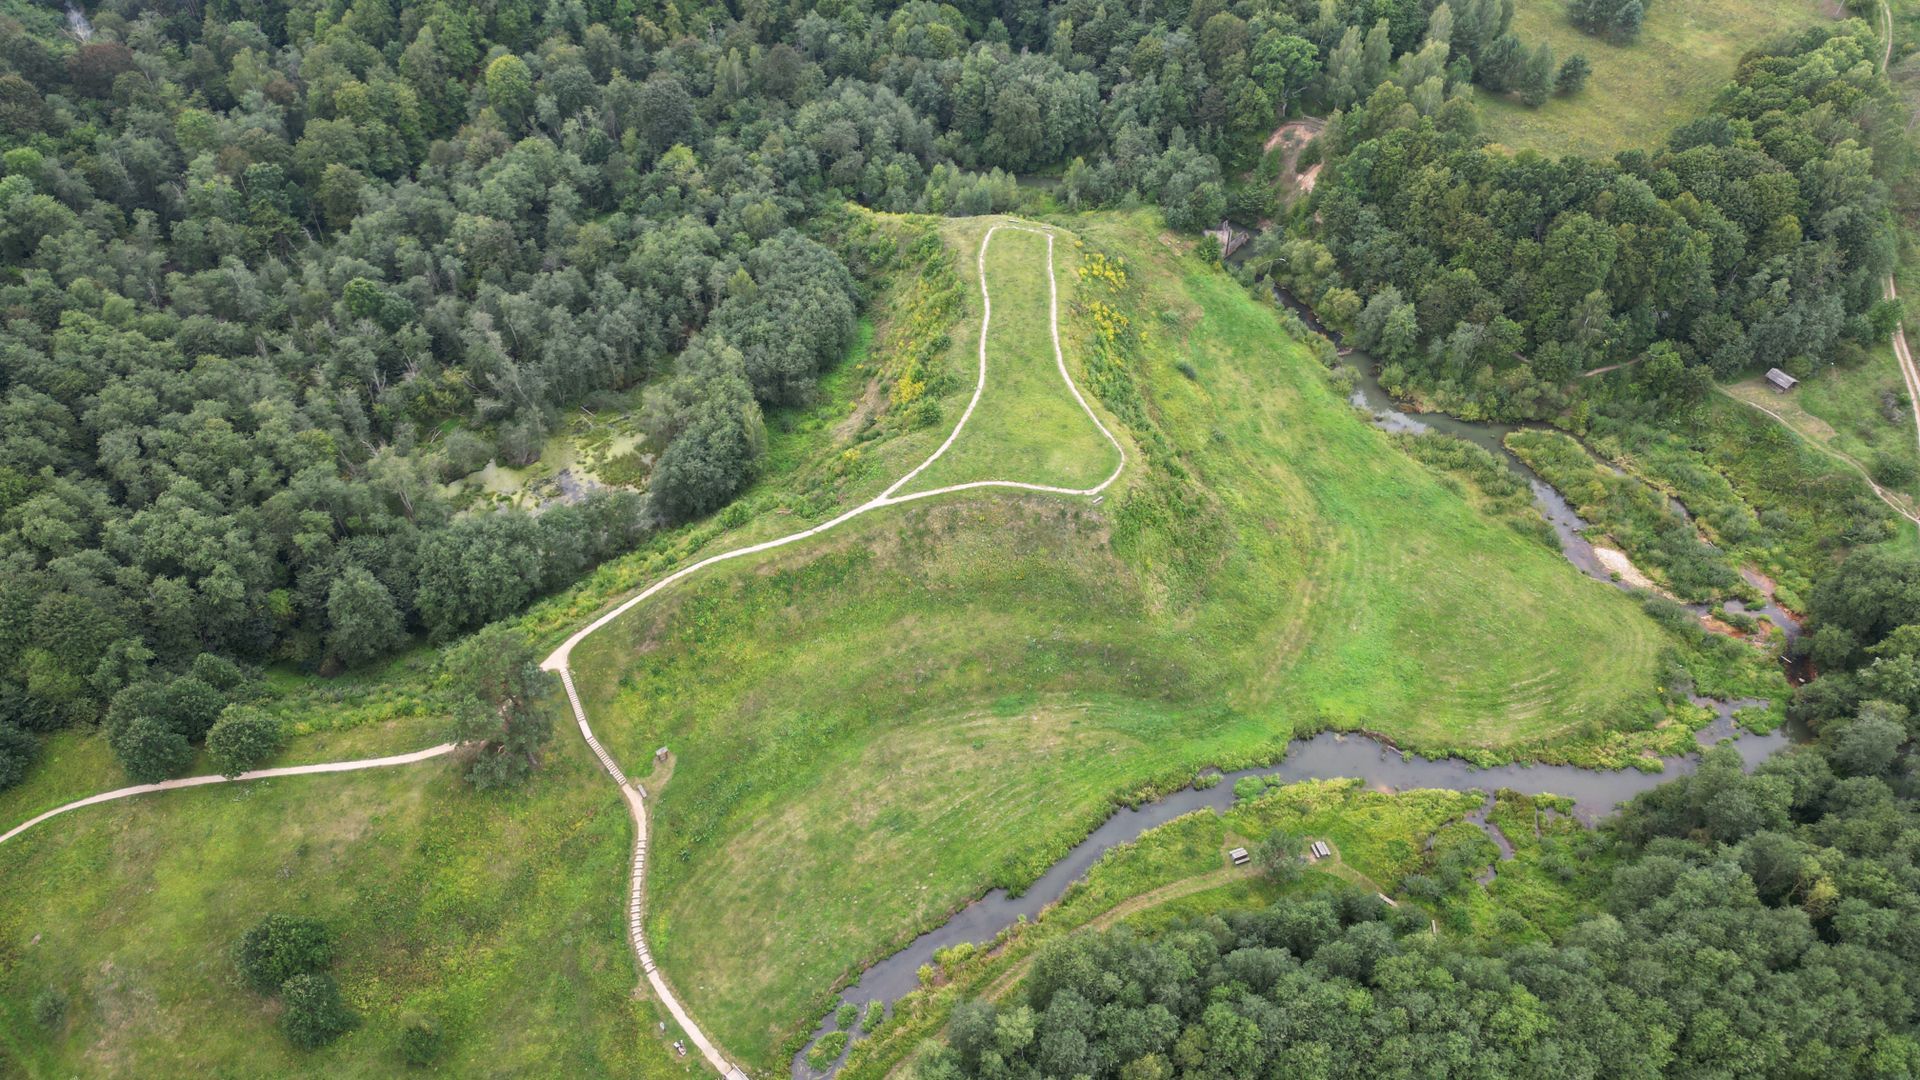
<point>257,774</point>
<point>634,795</point>
<point>636,798</point>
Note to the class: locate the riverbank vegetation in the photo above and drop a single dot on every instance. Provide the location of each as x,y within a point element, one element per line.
<point>1488,481</point>
<point>1785,876</point>
<point>1754,488</point>
<point>1659,537</point>
<point>1236,589</point>
<point>1180,869</point>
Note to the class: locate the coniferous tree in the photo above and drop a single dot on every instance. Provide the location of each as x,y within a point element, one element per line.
<point>1572,77</point>
<point>498,686</point>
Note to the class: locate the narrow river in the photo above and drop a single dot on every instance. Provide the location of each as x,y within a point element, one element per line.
<point>1567,524</point>
<point>1331,755</point>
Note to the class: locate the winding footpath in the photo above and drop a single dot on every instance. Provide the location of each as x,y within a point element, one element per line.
<point>1886,49</point>
<point>257,774</point>
<point>1905,356</point>
<point>635,795</point>
<point>1885,496</point>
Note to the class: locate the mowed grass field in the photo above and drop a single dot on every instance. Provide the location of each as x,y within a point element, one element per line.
<point>1027,426</point>
<point>872,728</point>
<point>868,730</point>
<point>498,917</point>
<point>1686,51</point>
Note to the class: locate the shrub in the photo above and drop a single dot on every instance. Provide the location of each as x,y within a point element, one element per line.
<point>462,453</point>
<point>846,1016</point>
<point>242,739</point>
<point>50,1007</point>
<point>315,1014</point>
<point>1893,470</point>
<point>421,1041</point>
<point>1278,856</point>
<point>1249,787</point>
<point>149,749</point>
<point>280,947</point>
<point>827,1050</point>
<point>1572,78</point>
<point>876,1015</point>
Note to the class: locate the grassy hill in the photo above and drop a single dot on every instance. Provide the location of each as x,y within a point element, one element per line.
<point>1686,52</point>
<point>868,729</point>
<point>1027,426</point>
<point>865,725</point>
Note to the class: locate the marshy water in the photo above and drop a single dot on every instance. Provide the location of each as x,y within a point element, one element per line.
<point>1571,529</point>
<point>1337,756</point>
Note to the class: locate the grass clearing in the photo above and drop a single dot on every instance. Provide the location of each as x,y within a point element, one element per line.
<point>491,914</point>
<point>1860,412</point>
<point>1027,427</point>
<point>1821,501</point>
<point>1686,52</point>
<point>863,724</point>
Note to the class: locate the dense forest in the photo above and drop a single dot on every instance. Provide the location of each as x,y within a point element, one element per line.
<point>1763,924</point>
<point>1488,282</point>
<point>276,274</point>
<point>273,274</point>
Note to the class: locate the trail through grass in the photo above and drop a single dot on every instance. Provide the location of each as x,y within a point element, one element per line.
<point>864,723</point>
<point>488,913</point>
<point>1859,411</point>
<point>1027,427</point>
<point>869,729</point>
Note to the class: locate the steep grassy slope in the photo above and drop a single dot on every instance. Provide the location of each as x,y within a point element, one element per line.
<point>1027,426</point>
<point>873,727</point>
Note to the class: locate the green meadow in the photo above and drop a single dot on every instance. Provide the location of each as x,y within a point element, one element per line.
<point>1639,91</point>
<point>868,729</point>
<point>1027,426</point>
<point>863,725</point>
<point>496,917</point>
